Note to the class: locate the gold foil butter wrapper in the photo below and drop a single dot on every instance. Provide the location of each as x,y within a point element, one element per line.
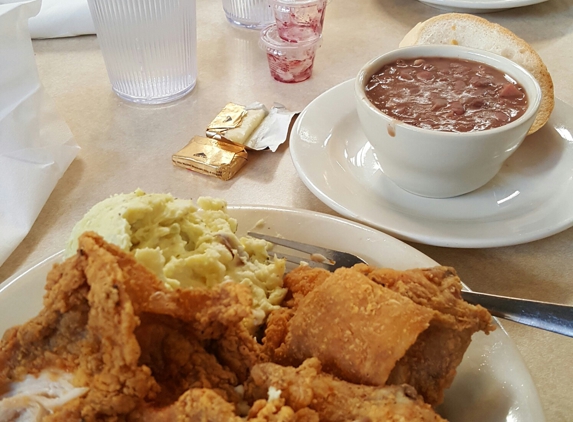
<point>236,122</point>
<point>211,157</point>
<point>230,117</point>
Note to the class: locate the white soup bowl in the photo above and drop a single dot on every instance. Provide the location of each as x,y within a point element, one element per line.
<point>434,163</point>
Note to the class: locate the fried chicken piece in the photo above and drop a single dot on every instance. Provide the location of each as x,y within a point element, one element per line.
<point>276,411</point>
<point>71,411</point>
<point>430,364</point>
<point>63,320</point>
<point>335,400</point>
<point>301,281</point>
<point>86,327</point>
<point>100,308</point>
<point>438,288</point>
<point>276,331</point>
<point>179,361</point>
<point>356,328</point>
<point>196,405</point>
<point>321,313</point>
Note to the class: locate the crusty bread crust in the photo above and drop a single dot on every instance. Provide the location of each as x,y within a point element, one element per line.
<point>475,32</point>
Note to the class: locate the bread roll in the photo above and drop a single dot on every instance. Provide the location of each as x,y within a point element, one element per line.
<point>475,32</point>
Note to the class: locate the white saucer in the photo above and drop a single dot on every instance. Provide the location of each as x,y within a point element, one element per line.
<point>530,198</point>
<point>478,6</point>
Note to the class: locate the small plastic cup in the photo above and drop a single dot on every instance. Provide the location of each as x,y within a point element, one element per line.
<point>250,14</point>
<point>289,62</point>
<point>299,20</point>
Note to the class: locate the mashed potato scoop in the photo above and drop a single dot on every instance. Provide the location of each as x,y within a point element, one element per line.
<point>187,245</point>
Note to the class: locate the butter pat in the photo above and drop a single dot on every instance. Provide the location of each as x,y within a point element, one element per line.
<point>212,157</point>
<point>236,123</point>
<point>250,122</point>
<point>230,117</point>
<point>252,126</point>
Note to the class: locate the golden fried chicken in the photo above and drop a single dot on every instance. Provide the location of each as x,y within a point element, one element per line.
<point>275,410</point>
<point>132,342</point>
<point>117,345</point>
<point>306,387</point>
<point>377,326</point>
<point>86,328</point>
<point>356,328</point>
<point>196,405</point>
<point>302,281</point>
<point>430,364</point>
<point>299,283</point>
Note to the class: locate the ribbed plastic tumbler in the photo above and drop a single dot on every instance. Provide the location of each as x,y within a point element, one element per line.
<point>251,14</point>
<point>149,47</point>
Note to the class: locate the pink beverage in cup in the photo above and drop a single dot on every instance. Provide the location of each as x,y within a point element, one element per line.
<point>289,62</point>
<point>299,20</point>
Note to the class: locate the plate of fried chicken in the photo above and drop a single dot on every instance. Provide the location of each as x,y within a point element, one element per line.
<point>99,337</point>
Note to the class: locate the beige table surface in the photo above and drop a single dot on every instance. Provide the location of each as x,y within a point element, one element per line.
<point>125,147</point>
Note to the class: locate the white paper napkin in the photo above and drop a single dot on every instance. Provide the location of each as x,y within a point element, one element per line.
<point>36,145</point>
<point>62,18</point>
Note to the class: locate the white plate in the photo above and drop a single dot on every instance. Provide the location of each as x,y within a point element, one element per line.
<point>530,198</point>
<point>492,383</point>
<point>478,6</point>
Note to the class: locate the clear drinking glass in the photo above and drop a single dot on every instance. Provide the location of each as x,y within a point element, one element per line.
<point>149,47</point>
<point>251,14</point>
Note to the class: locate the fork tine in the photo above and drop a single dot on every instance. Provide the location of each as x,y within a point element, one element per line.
<point>303,247</point>
<point>297,260</point>
<point>336,259</point>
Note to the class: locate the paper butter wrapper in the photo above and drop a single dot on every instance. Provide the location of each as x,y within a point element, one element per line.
<point>252,126</point>
<point>212,157</point>
<point>274,129</point>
